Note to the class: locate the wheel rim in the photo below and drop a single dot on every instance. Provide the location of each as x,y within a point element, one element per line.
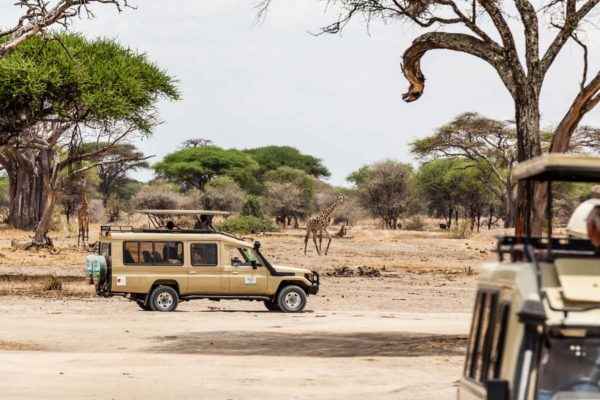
<point>164,300</point>
<point>292,300</point>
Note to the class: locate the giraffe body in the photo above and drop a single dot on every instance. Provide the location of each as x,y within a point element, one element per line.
<point>317,226</point>
<point>83,217</point>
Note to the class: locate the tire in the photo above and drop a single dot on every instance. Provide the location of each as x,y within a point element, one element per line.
<point>164,299</point>
<point>291,299</point>
<point>271,305</point>
<point>144,307</point>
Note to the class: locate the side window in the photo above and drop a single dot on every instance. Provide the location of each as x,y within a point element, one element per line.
<point>499,340</point>
<point>153,253</point>
<point>204,254</point>
<point>482,336</point>
<point>131,253</point>
<point>167,253</point>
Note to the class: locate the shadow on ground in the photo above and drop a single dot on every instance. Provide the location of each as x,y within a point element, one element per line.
<point>388,344</point>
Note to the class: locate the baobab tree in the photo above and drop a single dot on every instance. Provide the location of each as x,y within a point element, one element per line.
<point>481,28</point>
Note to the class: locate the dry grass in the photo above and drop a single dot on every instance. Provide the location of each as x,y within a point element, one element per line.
<point>44,286</point>
<point>16,346</point>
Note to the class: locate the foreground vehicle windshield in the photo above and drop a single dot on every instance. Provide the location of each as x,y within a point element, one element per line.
<point>569,368</point>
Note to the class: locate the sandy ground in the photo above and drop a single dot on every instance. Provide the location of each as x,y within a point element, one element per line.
<point>398,336</point>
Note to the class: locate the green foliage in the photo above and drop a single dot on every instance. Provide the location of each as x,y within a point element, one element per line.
<point>271,158</point>
<point>98,81</point>
<point>196,166</point>
<point>252,207</point>
<point>450,184</point>
<point>127,188</point>
<point>359,176</point>
<point>385,190</point>
<point>246,224</point>
<point>3,190</point>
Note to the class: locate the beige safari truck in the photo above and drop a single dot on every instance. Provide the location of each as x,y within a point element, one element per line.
<point>535,332</point>
<point>161,265</point>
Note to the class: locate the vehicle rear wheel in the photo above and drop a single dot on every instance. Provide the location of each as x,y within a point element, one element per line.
<point>271,305</point>
<point>164,299</point>
<point>291,299</point>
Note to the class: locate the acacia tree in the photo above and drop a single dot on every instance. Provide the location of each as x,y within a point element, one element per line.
<point>481,28</point>
<point>385,190</point>
<point>65,94</point>
<point>489,143</point>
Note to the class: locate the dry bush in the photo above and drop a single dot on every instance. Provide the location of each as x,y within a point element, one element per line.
<point>461,230</point>
<point>51,282</point>
<point>160,197</point>
<point>97,212</point>
<point>415,223</point>
<point>222,194</point>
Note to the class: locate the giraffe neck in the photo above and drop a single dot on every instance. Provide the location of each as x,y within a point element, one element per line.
<point>84,202</point>
<point>326,212</point>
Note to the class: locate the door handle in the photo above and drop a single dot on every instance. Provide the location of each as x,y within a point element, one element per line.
<point>192,272</point>
<point>235,273</point>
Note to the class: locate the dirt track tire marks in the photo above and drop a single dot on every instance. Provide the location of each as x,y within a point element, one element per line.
<point>358,344</point>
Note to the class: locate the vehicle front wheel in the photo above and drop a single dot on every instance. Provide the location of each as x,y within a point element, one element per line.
<point>291,299</point>
<point>271,305</point>
<point>164,299</point>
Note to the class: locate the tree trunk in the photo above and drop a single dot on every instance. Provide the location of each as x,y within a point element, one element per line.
<point>41,231</point>
<point>26,193</point>
<point>528,138</point>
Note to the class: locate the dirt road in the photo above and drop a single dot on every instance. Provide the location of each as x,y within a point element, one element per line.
<point>398,336</point>
<point>67,349</point>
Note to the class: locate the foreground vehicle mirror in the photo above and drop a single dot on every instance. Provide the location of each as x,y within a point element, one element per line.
<point>254,265</point>
<point>497,389</point>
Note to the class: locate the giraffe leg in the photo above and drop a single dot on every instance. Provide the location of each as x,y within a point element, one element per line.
<point>306,239</point>
<point>314,236</point>
<point>329,241</point>
<point>321,240</point>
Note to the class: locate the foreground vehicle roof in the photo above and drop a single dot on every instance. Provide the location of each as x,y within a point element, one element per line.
<point>559,167</point>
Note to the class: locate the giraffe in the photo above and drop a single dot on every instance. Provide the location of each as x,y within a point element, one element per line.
<point>317,225</point>
<point>83,217</point>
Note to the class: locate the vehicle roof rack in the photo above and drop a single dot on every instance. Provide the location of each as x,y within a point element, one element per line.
<point>183,212</point>
<point>559,167</point>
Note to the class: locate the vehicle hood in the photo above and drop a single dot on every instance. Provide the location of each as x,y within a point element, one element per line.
<point>285,268</point>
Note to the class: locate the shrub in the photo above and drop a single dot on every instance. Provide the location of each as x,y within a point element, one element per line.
<point>415,223</point>
<point>461,230</point>
<point>156,198</point>
<point>245,224</point>
<point>252,207</point>
<point>51,282</point>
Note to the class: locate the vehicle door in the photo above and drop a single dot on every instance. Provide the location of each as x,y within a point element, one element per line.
<point>244,279</point>
<point>205,272</point>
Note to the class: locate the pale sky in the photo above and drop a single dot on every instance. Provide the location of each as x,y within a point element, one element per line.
<point>335,97</point>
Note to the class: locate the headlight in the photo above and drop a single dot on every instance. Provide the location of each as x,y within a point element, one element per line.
<point>309,276</point>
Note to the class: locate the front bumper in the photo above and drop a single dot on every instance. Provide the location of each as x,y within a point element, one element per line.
<point>316,281</point>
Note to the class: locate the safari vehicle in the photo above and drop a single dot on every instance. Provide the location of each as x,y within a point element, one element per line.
<point>535,332</point>
<point>159,266</point>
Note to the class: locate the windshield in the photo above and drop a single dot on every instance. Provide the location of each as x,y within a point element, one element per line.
<point>569,368</point>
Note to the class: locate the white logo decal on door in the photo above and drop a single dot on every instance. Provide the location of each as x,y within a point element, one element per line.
<point>250,280</point>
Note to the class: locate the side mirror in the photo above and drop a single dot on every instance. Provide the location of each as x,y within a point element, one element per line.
<point>254,264</point>
<point>497,389</point>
